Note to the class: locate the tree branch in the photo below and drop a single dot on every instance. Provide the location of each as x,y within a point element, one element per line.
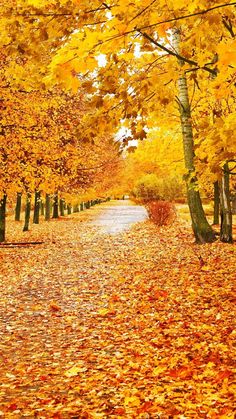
<point>174,54</point>
<point>142,11</point>
<point>202,12</point>
<point>229,27</point>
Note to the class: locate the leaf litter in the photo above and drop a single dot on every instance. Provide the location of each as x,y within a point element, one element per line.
<point>139,324</point>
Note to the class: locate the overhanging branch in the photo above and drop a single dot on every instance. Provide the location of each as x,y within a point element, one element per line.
<point>174,54</point>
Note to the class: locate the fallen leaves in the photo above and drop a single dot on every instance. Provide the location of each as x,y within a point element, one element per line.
<point>141,331</point>
<point>74,371</point>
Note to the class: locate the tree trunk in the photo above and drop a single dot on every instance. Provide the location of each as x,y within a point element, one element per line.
<point>55,213</point>
<point>233,204</point>
<point>226,229</point>
<point>36,207</point>
<point>3,204</point>
<point>69,209</point>
<point>202,230</point>
<point>216,203</point>
<point>81,206</point>
<point>76,208</point>
<point>62,203</point>
<point>47,207</point>
<point>18,206</point>
<point>27,212</point>
<point>42,207</point>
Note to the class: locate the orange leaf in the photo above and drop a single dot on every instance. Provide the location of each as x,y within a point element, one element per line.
<point>54,306</point>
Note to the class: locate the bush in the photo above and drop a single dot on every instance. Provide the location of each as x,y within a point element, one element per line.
<point>147,187</point>
<point>161,213</point>
<point>150,187</point>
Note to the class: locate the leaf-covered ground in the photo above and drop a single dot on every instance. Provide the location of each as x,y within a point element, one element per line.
<point>133,325</point>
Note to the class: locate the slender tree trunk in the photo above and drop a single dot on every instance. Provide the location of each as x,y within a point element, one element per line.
<point>55,213</point>
<point>81,206</point>
<point>234,204</point>
<point>216,203</point>
<point>76,208</point>
<point>36,207</point>
<point>27,212</point>
<point>47,207</point>
<point>42,207</point>
<point>226,233</point>
<point>69,209</point>
<point>202,230</point>
<point>3,204</point>
<point>18,206</point>
<point>62,203</point>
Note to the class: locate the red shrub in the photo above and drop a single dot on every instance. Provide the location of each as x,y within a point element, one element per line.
<point>161,213</point>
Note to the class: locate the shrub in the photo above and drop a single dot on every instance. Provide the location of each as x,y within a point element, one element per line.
<point>147,187</point>
<point>151,187</point>
<point>161,213</point>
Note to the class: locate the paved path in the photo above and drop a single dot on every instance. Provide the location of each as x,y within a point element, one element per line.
<point>118,216</point>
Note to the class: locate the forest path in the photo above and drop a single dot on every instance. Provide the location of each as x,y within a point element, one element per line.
<point>96,325</point>
<point>119,216</point>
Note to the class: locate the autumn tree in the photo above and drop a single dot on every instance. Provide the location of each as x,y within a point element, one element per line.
<point>158,159</point>
<point>139,81</point>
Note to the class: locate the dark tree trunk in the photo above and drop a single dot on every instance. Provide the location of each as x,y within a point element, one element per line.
<point>42,207</point>
<point>202,230</point>
<point>3,204</point>
<point>81,206</point>
<point>36,207</point>
<point>233,204</point>
<point>76,208</point>
<point>47,207</point>
<point>27,212</point>
<point>69,209</point>
<point>55,213</point>
<point>216,203</point>
<point>62,207</point>
<point>18,206</point>
<point>226,228</point>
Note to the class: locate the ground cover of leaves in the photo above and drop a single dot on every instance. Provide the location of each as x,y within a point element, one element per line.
<point>133,325</point>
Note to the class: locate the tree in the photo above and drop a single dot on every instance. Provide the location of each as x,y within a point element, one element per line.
<point>201,228</point>
<point>125,15</point>
<point>139,78</point>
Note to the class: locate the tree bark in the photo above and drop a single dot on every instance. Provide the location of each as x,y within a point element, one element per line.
<point>36,207</point>
<point>27,212</point>
<point>234,204</point>
<point>226,228</point>
<point>76,208</point>
<point>55,213</point>
<point>69,209</point>
<point>18,206</point>
<point>3,204</point>
<point>216,203</point>
<point>202,230</point>
<point>47,207</point>
<point>62,207</point>
<point>42,207</point>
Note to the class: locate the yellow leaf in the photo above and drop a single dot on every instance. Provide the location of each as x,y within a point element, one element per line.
<point>103,311</point>
<point>132,401</point>
<point>205,268</point>
<point>159,370</point>
<point>72,372</point>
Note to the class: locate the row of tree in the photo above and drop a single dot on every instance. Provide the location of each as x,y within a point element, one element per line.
<point>141,65</point>
<point>43,150</point>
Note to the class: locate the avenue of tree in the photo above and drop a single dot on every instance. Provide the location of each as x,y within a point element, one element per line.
<point>76,74</point>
